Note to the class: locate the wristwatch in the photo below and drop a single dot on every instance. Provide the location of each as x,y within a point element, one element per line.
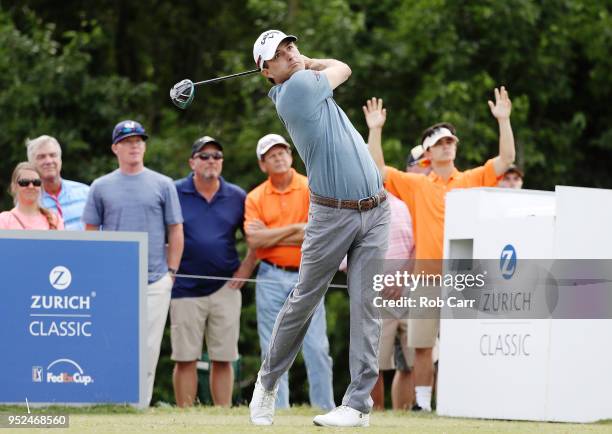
<point>172,270</point>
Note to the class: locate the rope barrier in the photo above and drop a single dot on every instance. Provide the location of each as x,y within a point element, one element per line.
<point>195,276</point>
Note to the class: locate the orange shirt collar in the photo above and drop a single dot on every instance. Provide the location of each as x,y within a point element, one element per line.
<point>433,176</point>
<point>294,185</point>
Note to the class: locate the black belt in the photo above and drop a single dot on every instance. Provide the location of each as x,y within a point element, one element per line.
<point>280,267</point>
<point>365,204</point>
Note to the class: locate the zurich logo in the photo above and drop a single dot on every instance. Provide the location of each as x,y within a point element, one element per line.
<point>507,261</point>
<point>60,277</point>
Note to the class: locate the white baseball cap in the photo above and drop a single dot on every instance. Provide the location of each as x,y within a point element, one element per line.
<point>416,154</point>
<point>268,141</point>
<point>265,46</point>
<point>438,134</point>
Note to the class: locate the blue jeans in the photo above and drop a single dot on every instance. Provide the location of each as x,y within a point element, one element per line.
<point>270,298</point>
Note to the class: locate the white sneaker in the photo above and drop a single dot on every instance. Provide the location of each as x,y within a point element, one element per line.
<point>343,416</point>
<point>262,405</point>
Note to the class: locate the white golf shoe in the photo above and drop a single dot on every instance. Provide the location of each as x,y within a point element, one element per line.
<point>262,405</point>
<point>343,416</point>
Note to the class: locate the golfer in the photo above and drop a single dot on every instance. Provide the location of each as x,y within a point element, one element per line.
<point>348,214</point>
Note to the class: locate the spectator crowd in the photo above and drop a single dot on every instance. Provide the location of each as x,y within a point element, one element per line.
<point>192,225</point>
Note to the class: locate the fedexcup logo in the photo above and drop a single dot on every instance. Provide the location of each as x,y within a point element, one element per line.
<point>507,261</point>
<point>62,371</point>
<point>60,277</point>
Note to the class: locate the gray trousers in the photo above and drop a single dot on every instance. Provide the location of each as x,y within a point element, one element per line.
<point>330,234</point>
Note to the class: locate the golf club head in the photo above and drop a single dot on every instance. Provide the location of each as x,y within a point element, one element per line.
<point>182,93</point>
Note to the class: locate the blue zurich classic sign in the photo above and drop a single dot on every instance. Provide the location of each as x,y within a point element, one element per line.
<point>72,317</point>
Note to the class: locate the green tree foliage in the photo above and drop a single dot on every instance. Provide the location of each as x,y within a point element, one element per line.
<point>439,60</point>
<point>46,89</point>
<point>73,69</point>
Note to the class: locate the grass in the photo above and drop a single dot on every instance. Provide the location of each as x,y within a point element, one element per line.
<point>119,419</point>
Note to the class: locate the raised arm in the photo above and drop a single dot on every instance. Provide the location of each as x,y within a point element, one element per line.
<point>376,116</point>
<point>501,111</point>
<point>336,72</point>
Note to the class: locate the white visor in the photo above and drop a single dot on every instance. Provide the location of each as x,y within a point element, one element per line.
<point>440,133</point>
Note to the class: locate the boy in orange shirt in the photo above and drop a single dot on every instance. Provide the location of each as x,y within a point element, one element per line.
<point>425,197</point>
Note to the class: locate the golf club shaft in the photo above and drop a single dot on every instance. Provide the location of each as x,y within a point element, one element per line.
<point>214,80</point>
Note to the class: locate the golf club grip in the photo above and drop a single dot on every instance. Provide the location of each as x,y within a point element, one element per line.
<point>214,80</point>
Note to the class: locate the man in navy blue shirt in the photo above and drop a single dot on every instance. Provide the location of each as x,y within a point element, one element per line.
<point>213,210</point>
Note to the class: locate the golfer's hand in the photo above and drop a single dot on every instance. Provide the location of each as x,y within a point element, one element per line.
<point>503,106</point>
<point>375,114</point>
<point>307,61</point>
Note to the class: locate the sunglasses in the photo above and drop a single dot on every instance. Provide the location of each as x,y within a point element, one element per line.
<point>128,130</point>
<point>23,182</point>
<point>205,156</point>
<point>423,162</point>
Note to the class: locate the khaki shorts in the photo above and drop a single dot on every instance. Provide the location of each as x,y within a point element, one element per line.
<point>216,317</point>
<point>424,322</point>
<point>391,328</point>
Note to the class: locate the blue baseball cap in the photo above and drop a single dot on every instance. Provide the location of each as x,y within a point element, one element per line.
<point>126,129</point>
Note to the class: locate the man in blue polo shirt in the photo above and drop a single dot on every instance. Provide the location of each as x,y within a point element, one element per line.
<point>66,198</point>
<point>213,210</point>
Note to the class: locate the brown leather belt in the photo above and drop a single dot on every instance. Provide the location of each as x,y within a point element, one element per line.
<point>360,205</point>
<point>280,267</point>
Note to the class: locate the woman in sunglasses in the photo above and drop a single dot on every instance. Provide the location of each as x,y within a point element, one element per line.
<point>28,214</point>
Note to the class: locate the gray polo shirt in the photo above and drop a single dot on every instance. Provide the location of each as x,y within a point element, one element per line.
<point>338,163</point>
<point>145,202</point>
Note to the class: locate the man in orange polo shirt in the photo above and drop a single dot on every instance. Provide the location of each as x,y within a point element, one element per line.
<point>276,213</point>
<point>425,197</point>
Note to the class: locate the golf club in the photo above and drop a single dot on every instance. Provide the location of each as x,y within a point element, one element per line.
<point>182,93</point>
